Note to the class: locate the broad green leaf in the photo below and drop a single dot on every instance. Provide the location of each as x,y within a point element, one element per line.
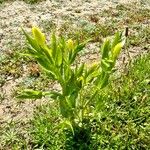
<point>67,72</point>
<point>31,41</point>
<point>65,109</point>
<point>52,94</point>
<point>59,57</point>
<point>30,94</point>
<point>54,45</point>
<point>47,52</point>
<point>71,85</point>
<point>77,49</point>
<point>80,82</point>
<point>28,54</point>
<point>104,81</point>
<point>33,51</point>
<point>80,47</point>
<point>90,72</point>
<point>111,65</point>
<point>109,61</point>
<point>92,76</point>
<point>80,70</point>
<point>72,99</point>
<point>116,50</point>
<point>62,44</point>
<point>69,55</point>
<point>93,67</point>
<point>39,36</point>
<point>105,65</point>
<point>117,39</point>
<point>73,57</point>
<point>44,63</point>
<point>105,49</point>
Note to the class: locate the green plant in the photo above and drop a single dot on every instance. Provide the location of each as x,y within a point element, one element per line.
<point>57,59</point>
<point>122,121</point>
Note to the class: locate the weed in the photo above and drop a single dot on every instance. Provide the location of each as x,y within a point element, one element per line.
<point>122,121</point>
<point>123,118</point>
<point>58,61</point>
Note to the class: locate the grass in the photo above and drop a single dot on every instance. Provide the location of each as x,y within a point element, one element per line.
<point>12,62</point>
<point>44,131</point>
<point>13,136</point>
